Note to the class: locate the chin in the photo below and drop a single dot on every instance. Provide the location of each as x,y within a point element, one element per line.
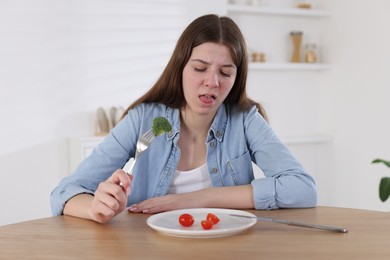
<point>207,111</point>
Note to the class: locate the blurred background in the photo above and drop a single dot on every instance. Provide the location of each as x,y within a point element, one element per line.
<point>60,60</point>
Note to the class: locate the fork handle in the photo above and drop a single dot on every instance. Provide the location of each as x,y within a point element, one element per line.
<point>131,162</point>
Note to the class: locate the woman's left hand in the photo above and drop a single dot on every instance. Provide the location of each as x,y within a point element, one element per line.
<point>168,202</point>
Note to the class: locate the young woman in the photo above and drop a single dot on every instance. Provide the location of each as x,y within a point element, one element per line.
<point>206,160</point>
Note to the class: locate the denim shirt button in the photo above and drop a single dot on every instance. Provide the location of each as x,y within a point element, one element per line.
<point>214,170</point>
<point>219,134</point>
<point>212,144</point>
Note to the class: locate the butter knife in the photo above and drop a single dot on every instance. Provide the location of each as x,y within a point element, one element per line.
<point>298,224</point>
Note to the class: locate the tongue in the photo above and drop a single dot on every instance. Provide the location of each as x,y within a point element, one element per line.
<point>206,99</point>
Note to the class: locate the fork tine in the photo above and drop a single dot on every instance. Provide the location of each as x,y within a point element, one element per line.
<point>149,135</point>
<point>142,144</point>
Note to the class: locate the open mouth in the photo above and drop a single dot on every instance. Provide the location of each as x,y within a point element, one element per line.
<point>207,98</point>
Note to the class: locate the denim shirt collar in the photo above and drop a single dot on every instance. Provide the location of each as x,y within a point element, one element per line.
<point>217,129</point>
<point>173,116</point>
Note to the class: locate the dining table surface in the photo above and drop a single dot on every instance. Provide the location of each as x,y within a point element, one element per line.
<point>128,236</point>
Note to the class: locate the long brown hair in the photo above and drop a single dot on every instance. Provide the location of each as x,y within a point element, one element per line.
<point>168,88</point>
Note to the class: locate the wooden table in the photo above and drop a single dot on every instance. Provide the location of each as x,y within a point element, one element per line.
<point>128,237</point>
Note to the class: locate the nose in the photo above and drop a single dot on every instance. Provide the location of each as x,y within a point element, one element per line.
<point>212,80</point>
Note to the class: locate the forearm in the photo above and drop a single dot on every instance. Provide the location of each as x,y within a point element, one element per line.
<point>79,206</point>
<point>235,197</point>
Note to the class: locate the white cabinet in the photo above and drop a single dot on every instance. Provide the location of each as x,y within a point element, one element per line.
<point>268,23</point>
<point>289,89</point>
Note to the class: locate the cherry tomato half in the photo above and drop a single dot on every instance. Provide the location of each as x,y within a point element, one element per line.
<point>213,218</point>
<point>186,220</point>
<point>206,224</point>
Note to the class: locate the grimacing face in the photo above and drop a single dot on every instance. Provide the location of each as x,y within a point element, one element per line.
<point>208,77</point>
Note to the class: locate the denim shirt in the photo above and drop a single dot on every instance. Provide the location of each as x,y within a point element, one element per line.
<point>235,140</point>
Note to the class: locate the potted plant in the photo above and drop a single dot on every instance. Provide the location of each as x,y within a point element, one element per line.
<point>384,185</point>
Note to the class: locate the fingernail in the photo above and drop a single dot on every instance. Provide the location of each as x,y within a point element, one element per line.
<point>132,207</point>
<point>145,211</point>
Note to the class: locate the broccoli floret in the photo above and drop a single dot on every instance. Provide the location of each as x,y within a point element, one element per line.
<point>160,125</point>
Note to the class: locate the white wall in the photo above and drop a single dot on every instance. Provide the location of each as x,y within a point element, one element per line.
<point>354,102</point>
<point>45,97</point>
<point>61,60</point>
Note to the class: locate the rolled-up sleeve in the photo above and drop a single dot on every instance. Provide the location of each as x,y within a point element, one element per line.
<point>284,192</point>
<point>286,183</point>
<point>62,193</point>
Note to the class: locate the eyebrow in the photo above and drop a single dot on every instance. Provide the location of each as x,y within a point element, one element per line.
<point>208,63</point>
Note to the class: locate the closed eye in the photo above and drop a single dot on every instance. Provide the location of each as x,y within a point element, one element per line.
<point>226,74</point>
<point>199,69</point>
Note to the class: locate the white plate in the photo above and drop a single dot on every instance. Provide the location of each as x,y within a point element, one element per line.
<point>168,223</point>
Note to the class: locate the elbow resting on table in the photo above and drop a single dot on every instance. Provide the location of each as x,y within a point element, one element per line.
<point>303,194</point>
<point>275,193</point>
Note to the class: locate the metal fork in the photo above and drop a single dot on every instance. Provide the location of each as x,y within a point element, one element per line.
<point>142,144</point>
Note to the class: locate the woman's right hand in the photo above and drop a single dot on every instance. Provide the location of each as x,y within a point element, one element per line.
<point>111,196</point>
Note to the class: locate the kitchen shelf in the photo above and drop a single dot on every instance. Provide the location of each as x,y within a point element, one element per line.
<point>289,66</point>
<point>273,10</point>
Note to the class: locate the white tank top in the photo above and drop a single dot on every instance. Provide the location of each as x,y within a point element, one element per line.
<point>193,180</point>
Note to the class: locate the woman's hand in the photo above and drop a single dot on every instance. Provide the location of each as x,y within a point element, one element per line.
<point>166,203</point>
<point>111,197</point>
<point>235,197</point>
